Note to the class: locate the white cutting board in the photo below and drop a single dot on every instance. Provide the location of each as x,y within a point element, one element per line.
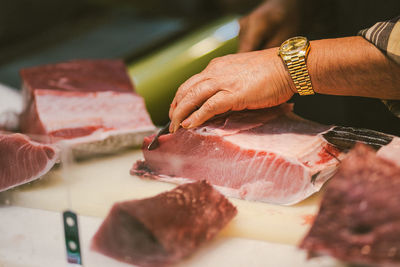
<point>40,243</point>
<point>90,188</point>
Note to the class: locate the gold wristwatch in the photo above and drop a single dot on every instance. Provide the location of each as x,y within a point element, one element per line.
<point>294,52</point>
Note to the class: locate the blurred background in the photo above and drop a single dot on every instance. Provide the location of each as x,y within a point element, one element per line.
<point>165,42</point>
<point>45,31</point>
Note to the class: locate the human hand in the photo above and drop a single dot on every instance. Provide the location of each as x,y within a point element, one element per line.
<point>269,25</point>
<point>234,82</point>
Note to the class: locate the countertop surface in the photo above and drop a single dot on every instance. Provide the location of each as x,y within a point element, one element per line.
<point>32,234</point>
<point>31,217</point>
<point>34,238</point>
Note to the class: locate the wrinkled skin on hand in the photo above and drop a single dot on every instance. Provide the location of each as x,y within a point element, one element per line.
<point>269,24</point>
<point>234,82</point>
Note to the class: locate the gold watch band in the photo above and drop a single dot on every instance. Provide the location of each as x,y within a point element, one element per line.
<point>298,71</point>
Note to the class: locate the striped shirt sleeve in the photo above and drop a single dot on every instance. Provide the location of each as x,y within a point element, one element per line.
<point>386,36</point>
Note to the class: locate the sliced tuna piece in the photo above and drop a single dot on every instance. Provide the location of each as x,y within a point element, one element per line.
<point>78,75</point>
<point>359,217</point>
<point>161,230</point>
<point>88,122</point>
<point>23,160</point>
<point>268,155</point>
<point>89,105</point>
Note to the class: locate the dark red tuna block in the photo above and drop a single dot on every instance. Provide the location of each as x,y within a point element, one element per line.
<point>161,230</point>
<point>359,217</point>
<point>91,121</point>
<point>268,155</point>
<point>79,75</point>
<point>23,160</point>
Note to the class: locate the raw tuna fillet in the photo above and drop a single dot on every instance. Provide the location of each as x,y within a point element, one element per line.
<point>163,229</point>
<point>359,217</point>
<point>268,155</point>
<point>79,75</point>
<point>89,105</point>
<point>23,160</point>
<point>88,122</point>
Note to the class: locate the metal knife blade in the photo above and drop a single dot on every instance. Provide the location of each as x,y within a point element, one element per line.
<point>345,138</point>
<point>154,143</point>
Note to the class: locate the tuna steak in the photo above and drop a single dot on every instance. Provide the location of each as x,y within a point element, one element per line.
<point>78,75</point>
<point>23,160</point>
<point>89,105</point>
<point>359,217</point>
<point>268,155</point>
<point>161,230</point>
<point>88,122</point>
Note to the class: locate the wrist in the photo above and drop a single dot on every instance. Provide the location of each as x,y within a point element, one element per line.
<point>293,53</point>
<point>284,78</point>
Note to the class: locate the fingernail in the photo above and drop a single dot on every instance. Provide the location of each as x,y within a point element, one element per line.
<point>186,123</point>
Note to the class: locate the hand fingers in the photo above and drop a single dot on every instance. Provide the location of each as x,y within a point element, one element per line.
<point>248,37</point>
<point>217,104</point>
<point>255,31</point>
<point>182,91</point>
<point>242,30</point>
<point>193,99</point>
<point>282,35</point>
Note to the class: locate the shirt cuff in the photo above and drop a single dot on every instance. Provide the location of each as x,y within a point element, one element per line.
<point>385,35</point>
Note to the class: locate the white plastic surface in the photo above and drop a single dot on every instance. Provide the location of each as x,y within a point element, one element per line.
<point>34,238</point>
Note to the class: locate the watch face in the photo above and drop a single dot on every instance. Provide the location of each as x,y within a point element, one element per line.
<point>293,45</point>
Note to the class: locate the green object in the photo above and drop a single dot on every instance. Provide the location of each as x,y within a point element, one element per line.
<point>71,234</point>
<point>158,76</point>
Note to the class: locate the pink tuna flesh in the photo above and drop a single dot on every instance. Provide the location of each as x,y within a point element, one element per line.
<point>268,155</point>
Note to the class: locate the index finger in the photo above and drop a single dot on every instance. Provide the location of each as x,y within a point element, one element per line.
<point>195,97</point>
<point>218,103</point>
<point>182,91</point>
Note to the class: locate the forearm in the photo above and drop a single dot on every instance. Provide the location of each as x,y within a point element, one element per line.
<point>354,67</point>
<point>347,66</point>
